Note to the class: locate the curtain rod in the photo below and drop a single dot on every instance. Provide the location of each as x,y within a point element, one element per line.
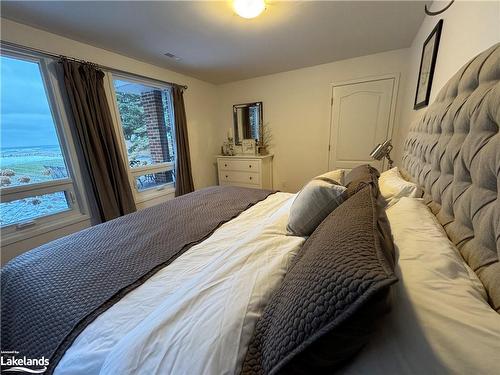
<point>103,67</point>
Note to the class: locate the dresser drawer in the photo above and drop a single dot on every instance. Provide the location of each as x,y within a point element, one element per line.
<point>239,165</point>
<point>239,184</point>
<point>239,177</point>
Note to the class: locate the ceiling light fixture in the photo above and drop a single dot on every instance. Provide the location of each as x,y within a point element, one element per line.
<point>249,8</point>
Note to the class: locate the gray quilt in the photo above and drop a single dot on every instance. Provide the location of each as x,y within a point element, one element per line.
<point>50,294</point>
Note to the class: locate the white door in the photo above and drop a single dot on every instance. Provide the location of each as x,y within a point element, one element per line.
<point>361,119</point>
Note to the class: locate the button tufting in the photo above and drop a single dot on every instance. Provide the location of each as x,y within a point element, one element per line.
<point>454,154</point>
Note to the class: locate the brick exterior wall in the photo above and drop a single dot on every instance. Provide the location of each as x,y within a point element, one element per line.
<point>157,131</point>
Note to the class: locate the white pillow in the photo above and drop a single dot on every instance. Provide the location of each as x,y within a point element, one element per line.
<point>393,187</point>
<point>440,321</point>
<point>336,175</point>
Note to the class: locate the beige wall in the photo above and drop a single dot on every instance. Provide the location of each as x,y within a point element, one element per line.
<point>469,27</point>
<point>297,110</point>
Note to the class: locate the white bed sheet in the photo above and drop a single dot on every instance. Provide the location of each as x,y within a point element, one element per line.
<point>197,315</point>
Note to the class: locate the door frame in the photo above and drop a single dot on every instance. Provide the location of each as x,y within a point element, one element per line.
<point>392,114</point>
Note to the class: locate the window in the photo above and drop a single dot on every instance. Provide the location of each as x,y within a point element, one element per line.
<point>147,128</point>
<point>36,183</point>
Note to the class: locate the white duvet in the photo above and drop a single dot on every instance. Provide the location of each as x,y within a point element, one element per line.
<point>197,315</point>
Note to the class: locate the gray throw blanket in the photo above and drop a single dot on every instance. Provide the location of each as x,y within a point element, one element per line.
<point>50,294</point>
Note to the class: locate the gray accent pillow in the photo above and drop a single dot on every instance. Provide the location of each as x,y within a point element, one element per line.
<point>317,199</point>
<point>332,296</point>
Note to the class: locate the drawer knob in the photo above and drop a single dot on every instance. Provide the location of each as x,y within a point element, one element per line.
<point>226,176</point>
<point>250,166</point>
<point>250,178</point>
<point>225,165</point>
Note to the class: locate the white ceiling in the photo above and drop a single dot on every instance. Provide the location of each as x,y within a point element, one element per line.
<point>216,45</point>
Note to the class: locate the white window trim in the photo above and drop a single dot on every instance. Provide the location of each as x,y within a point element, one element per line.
<point>51,223</point>
<point>13,193</point>
<point>153,168</point>
<point>164,190</point>
<point>71,186</point>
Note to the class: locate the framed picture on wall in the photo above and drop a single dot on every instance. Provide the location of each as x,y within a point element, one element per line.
<point>427,65</point>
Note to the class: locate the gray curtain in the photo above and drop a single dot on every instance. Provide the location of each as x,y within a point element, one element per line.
<point>183,174</point>
<point>94,127</point>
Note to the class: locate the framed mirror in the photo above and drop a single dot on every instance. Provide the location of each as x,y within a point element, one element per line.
<point>247,122</point>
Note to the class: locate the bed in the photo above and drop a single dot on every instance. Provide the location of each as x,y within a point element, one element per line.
<point>198,285</point>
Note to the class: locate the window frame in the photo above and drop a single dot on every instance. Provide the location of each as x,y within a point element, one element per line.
<point>72,186</point>
<point>153,192</point>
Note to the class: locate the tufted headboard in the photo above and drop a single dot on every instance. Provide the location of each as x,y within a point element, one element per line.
<point>453,153</point>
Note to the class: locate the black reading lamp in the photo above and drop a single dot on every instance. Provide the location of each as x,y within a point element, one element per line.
<point>383,151</point>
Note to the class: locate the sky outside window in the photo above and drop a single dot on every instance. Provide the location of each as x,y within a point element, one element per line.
<point>25,114</point>
<point>30,150</point>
